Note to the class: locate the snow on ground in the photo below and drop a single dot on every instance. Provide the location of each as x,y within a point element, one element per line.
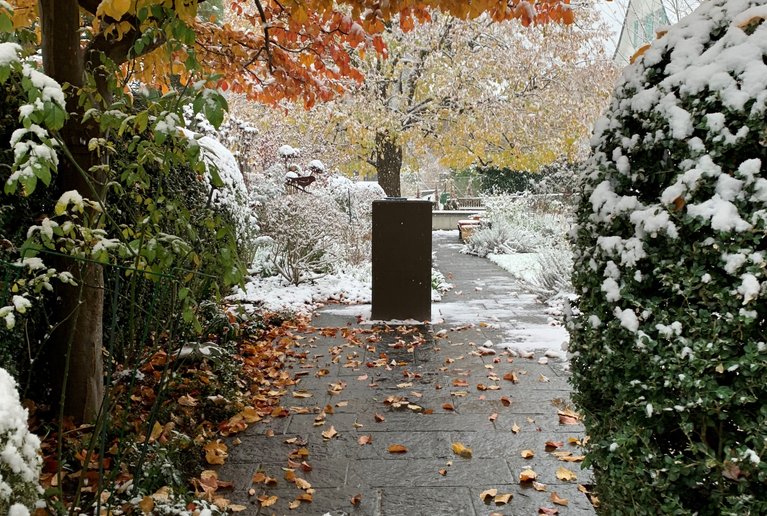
<point>520,265</point>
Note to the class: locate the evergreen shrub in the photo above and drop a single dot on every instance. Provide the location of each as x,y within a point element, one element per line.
<point>670,354</point>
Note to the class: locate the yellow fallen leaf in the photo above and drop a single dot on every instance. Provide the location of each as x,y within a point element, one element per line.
<point>294,504</point>
<point>515,428</point>
<point>329,433</point>
<point>527,454</point>
<point>527,475</point>
<point>538,486</point>
<point>565,474</point>
<point>503,499</point>
<point>397,448</point>
<point>488,495</point>
<point>302,484</point>
<point>555,498</point>
<point>461,450</point>
<point>235,507</point>
<point>302,394</point>
<point>215,452</point>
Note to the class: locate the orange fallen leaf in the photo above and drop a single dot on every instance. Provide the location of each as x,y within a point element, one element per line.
<point>511,377</point>
<point>492,417</point>
<point>295,504</point>
<point>505,401</point>
<point>460,382</point>
<point>527,454</point>
<point>448,406</point>
<point>443,472</point>
<point>547,510</point>
<point>553,445</point>
<point>555,498</point>
<point>302,484</point>
<point>146,505</point>
<point>397,448</point>
<point>527,475</point>
<point>356,499</point>
<point>379,418</point>
<point>568,417</point>
<point>364,439</point>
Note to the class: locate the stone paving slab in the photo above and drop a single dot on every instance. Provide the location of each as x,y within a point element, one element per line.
<point>423,388</point>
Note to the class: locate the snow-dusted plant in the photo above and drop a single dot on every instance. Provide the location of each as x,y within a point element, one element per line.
<point>303,230</point>
<point>671,348</point>
<point>20,459</point>
<point>553,275</point>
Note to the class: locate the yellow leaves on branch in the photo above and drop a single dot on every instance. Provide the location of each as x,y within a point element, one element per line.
<point>115,9</point>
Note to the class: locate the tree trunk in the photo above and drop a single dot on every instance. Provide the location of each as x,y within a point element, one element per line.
<point>80,308</point>
<point>388,163</point>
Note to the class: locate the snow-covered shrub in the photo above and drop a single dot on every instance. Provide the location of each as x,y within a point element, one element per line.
<point>671,347</point>
<point>304,229</point>
<point>553,275</point>
<point>20,460</point>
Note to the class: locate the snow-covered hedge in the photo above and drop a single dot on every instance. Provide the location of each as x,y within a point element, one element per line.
<point>670,267</point>
<point>20,460</point>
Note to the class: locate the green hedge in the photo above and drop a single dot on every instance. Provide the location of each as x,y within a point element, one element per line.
<point>669,349</point>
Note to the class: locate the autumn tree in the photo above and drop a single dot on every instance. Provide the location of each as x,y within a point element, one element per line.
<point>472,92</point>
<point>293,49</point>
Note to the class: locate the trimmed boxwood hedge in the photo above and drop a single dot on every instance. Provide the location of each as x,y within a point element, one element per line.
<point>670,353</point>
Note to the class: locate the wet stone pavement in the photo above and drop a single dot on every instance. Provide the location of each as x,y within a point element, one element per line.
<point>363,390</point>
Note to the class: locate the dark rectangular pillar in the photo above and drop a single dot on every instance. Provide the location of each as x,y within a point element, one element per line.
<point>401,260</point>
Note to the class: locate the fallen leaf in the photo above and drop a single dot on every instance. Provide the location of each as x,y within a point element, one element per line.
<point>235,507</point>
<point>527,475</point>
<point>302,484</point>
<point>568,417</point>
<point>215,452</point>
<point>302,394</point>
<point>356,499</point>
<point>565,474</point>
<point>461,450</point>
<point>488,495</point>
<point>505,401</point>
<point>187,401</point>
<point>547,510</point>
<point>379,418</point>
<point>503,499</point>
<point>492,417</point>
<point>267,501</point>
<point>295,504</point>
<point>553,445</point>
<point>515,428</point>
<point>555,498</point>
<point>527,454</point>
<point>443,472</point>
<point>146,505</point>
<point>511,377</point>
<point>448,406</point>
<point>329,433</point>
<point>364,439</point>
<point>538,486</point>
<point>573,441</point>
<point>397,448</point>
<point>460,382</point>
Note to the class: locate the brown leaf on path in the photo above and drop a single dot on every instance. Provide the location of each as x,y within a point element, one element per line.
<point>503,499</point>
<point>187,401</point>
<point>302,394</point>
<point>505,401</point>
<point>356,499</point>
<point>379,418</point>
<point>460,382</point>
<point>538,486</point>
<point>488,495</point>
<point>262,478</point>
<point>515,428</point>
<point>568,417</point>
<point>267,501</point>
<point>527,475</point>
<point>448,406</point>
<point>527,454</point>
<point>235,507</point>
<point>329,433</point>
<point>511,377</point>
<point>295,504</point>
<point>461,450</point>
<point>553,445</point>
<point>565,474</point>
<point>397,448</point>
<point>443,472</point>
<point>547,510</point>
<point>492,417</point>
<point>364,439</point>
<point>302,484</point>
<point>555,498</point>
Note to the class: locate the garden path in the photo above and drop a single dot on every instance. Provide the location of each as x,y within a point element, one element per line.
<point>423,388</point>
